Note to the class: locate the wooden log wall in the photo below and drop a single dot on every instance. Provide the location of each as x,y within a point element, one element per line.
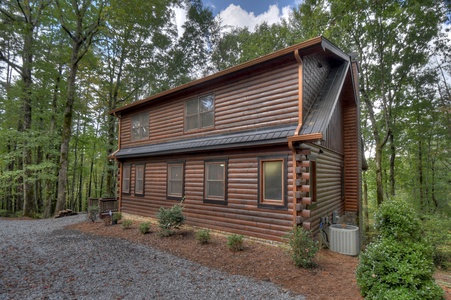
<point>241,215</point>
<point>352,160</point>
<point>329,185</point>
<point>261,100</point>
<point>333,137</point>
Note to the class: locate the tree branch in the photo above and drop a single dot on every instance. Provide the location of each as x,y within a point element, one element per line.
<point>16,67</point>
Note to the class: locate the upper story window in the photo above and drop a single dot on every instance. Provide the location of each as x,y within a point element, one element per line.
<point>200,112</point>
<point>140,126</point>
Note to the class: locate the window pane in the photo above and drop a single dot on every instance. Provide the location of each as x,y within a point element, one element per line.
<point>216,171</point>
<point>175,172</point>
<point>272,180</point>
<point>215,189</point>
<point>175,188</point>
<point>126,179</point>
<point>191,122</point>
<point>139,182</point>
<point>192,107</point>
<point>140,126</point>
<point>135,133</point>
<point>207,119</point>
<point>206,103</point>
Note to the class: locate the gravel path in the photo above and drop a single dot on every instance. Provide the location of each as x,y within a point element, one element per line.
<point>39,259</point>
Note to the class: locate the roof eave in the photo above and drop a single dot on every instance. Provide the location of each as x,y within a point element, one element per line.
<point>304,45</point>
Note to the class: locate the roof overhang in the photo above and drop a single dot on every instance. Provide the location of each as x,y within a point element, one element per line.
<point>261,137</point>
<point>305,48</point>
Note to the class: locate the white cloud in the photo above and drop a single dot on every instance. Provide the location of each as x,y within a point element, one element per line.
<point>235,16</point>
<point>180,18</point>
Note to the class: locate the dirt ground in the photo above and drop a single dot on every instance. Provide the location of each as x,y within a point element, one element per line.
<point>333,278</point>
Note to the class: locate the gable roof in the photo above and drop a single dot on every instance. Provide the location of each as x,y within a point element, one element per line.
<point>305,48</point>
<point>319,116</point>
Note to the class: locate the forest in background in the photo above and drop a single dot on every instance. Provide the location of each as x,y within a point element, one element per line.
<point>65,64</point>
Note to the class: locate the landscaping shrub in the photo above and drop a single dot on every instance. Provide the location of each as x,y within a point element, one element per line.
<point>437,229</point>
<point>302,247</point>
<point>170,219</point>
<point>203,236</point>
<point>398,264</point>
<point>235,242</point>
<point>144,227</point>
<point>126,224</point>
<point>117,216</point>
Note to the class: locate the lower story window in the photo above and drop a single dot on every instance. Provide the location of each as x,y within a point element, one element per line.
<point>126,179</point>
<point>215,182</point>
<point>272,181</point>
<point>175,180</point>
<point>139,180</point>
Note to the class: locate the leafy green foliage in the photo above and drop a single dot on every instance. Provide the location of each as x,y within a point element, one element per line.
<point>170,219</point>
<point>398,265</point>
<point>117,216</point>
<point>235,242</point>
<point>144,227</point>
<point>302,247</point>
<point>203,236</point>
<point>437,230</point>
<point>126,224</point>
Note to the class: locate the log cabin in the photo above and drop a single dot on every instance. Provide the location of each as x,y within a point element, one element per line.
<point>254,149</point>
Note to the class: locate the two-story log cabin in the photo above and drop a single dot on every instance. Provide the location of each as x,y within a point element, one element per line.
<point>254,149</point>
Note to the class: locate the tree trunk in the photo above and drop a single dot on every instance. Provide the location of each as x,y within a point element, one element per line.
<point>392,165</point>
<point>67,128</point>
<point>420,172</point>
<point>49,186</point>
<point>365,204</point>
<point>25,123</point>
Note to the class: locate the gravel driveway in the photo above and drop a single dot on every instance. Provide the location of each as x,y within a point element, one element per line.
<point>39,259</point>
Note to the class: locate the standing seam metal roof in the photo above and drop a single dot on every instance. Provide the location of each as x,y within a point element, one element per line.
<point>319,116</point>
<point>236,140</point>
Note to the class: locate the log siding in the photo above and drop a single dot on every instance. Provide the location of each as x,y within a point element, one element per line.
<point>241,213</point>
<point>262,100</point>
<point>260,113</point>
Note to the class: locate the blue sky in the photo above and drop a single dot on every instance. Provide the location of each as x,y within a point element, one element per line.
<point>244,13</point>
<point>256,6</point>
<point>241,13</point>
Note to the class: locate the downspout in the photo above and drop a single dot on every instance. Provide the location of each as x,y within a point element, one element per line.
<point>300,89</point>
<point>296,133</point>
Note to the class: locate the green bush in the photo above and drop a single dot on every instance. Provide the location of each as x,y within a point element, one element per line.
<point>117,216</point>
<point>235,242</point>
<point>398,264</point>
<point>126,224</point>
<point>170,219</point>
<point>3,213</point>
<point>203,236</point>
<point>144,227</point>
<point>437,229</point>
<point>302,247</point>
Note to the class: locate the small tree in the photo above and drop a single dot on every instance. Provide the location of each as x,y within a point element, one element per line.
<point>398,264</point>
<point>170,219</point>
<point>302,247</point>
